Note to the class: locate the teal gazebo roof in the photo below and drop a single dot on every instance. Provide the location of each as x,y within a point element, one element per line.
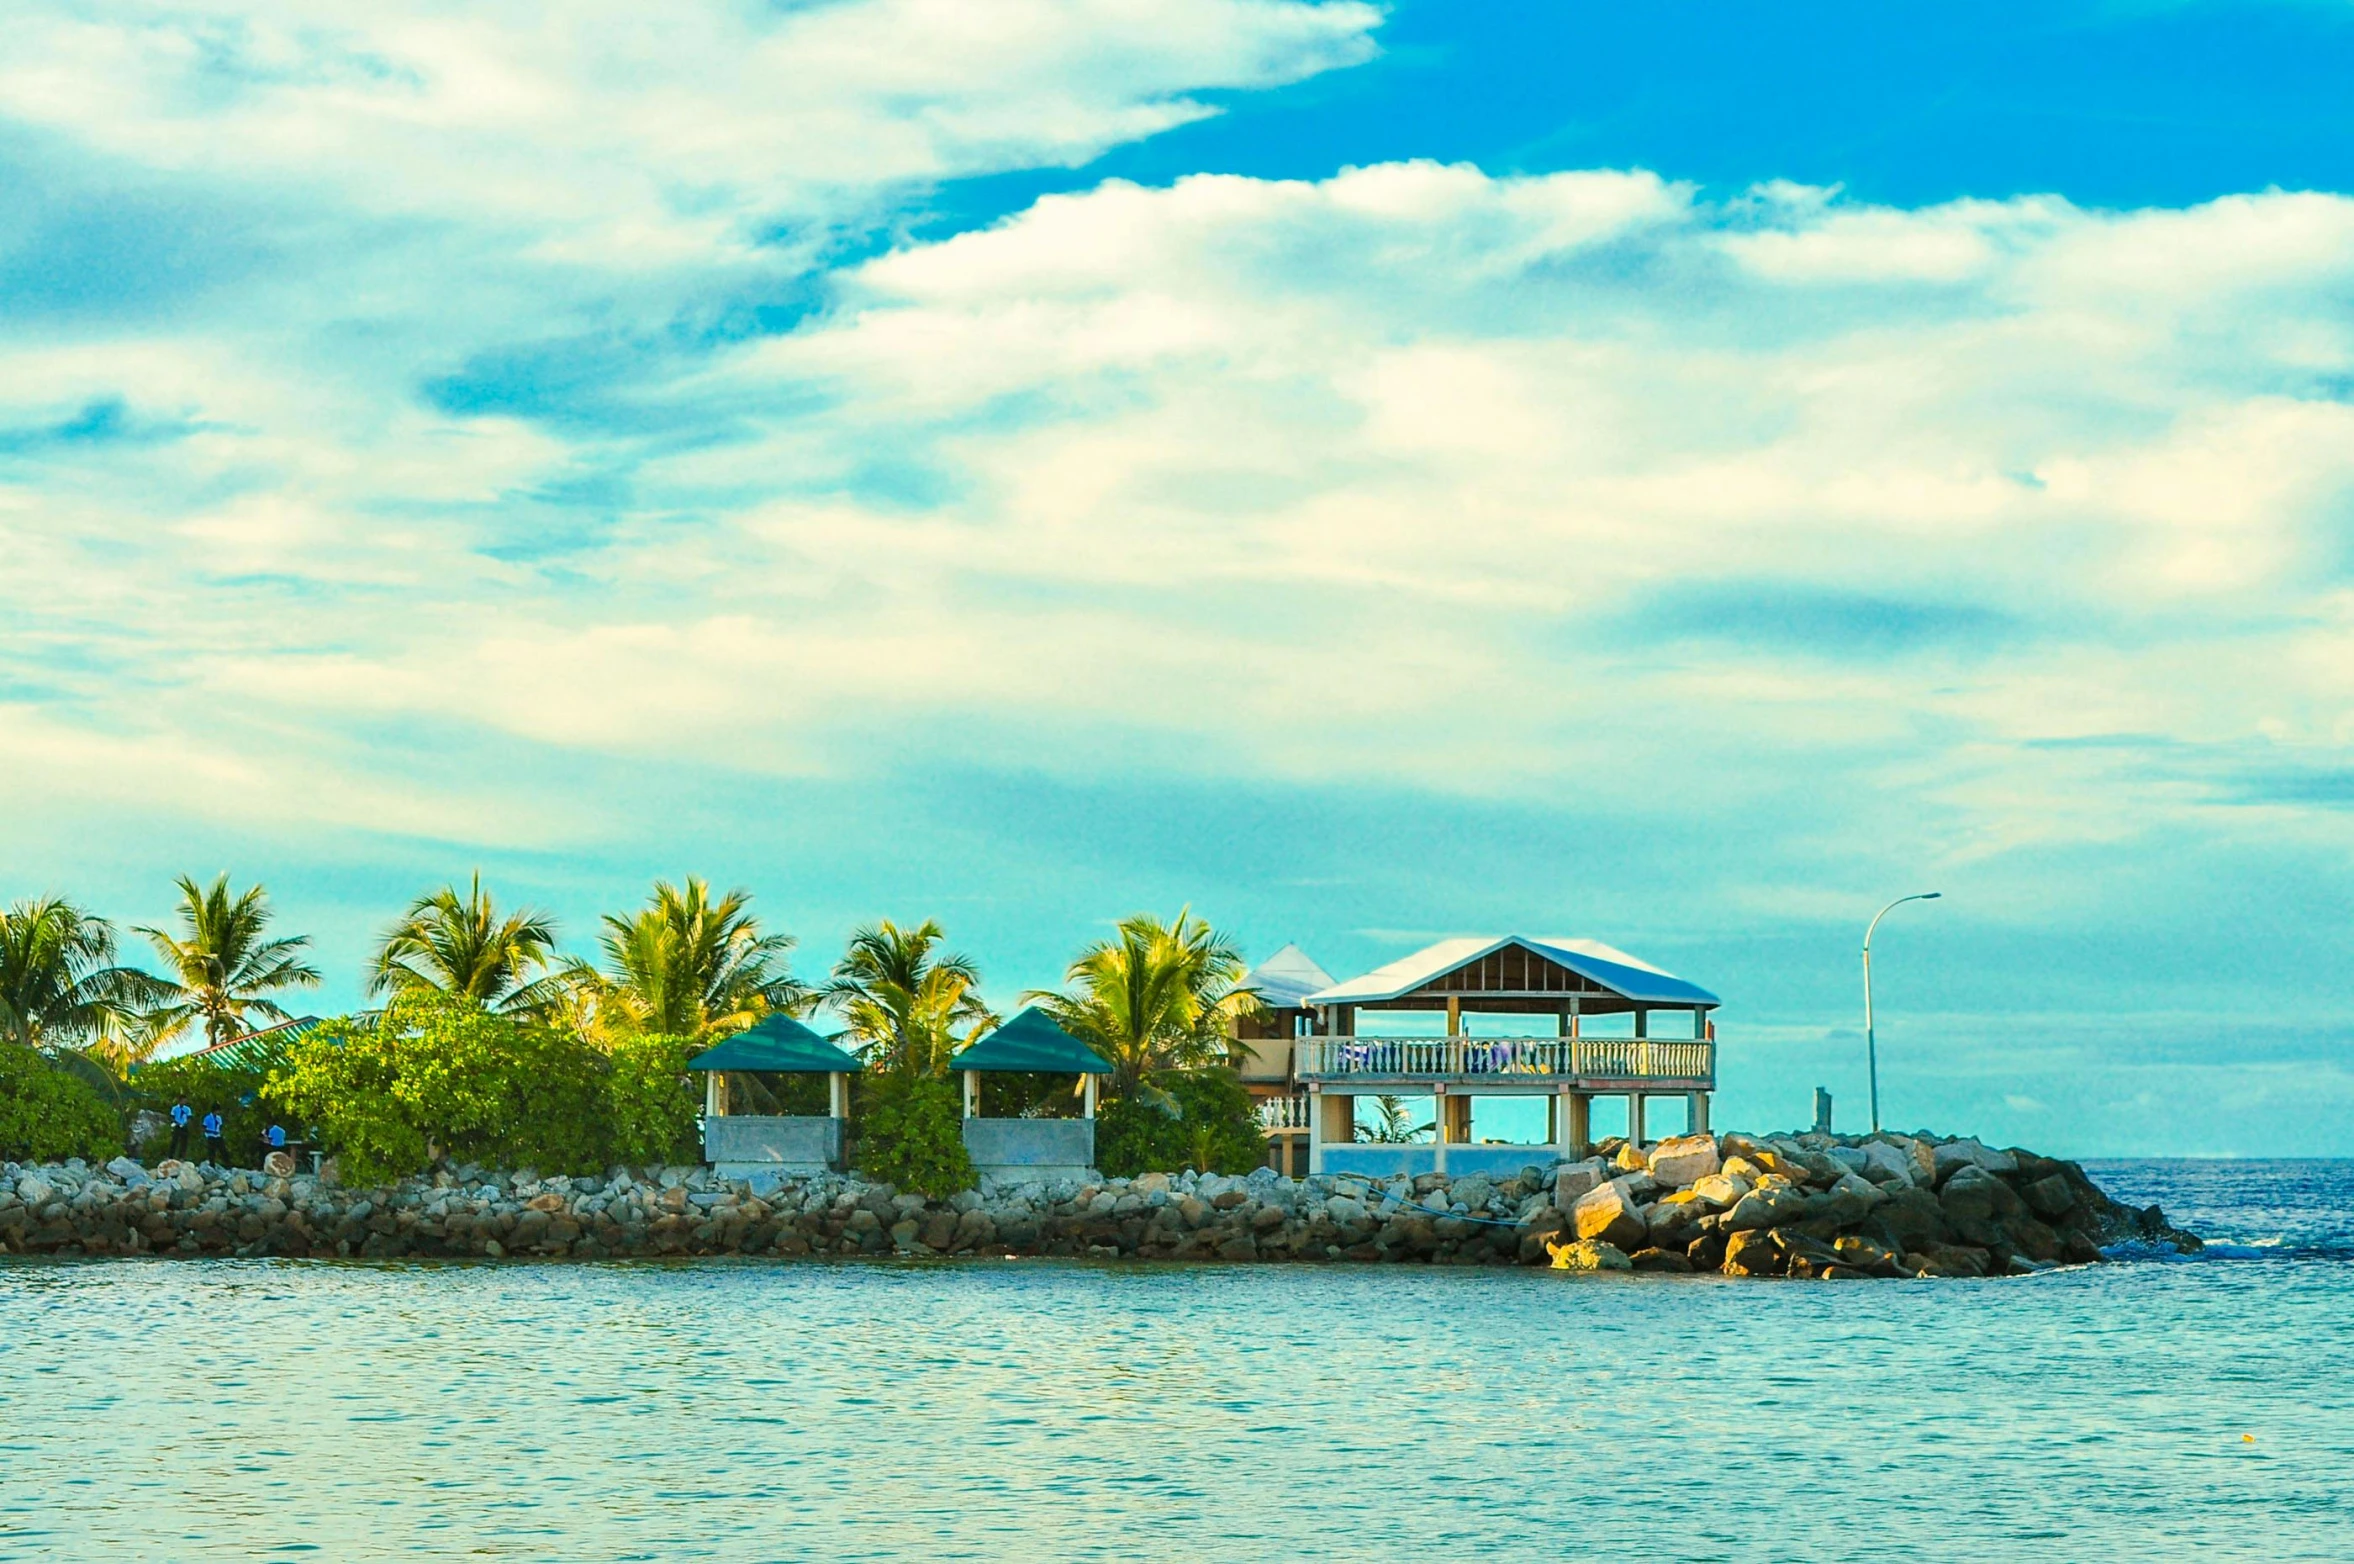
<point>779,1045</point>
<point>1031,1042</point>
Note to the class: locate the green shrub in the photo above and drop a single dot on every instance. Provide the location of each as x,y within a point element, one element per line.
<point>440,1074</point>
<point>48,1115</point>
<point>911,1134</point>
<point>1207,1123</point>
<point>652,1104</point>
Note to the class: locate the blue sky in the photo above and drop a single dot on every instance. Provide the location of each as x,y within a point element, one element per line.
<point>1678,474</point>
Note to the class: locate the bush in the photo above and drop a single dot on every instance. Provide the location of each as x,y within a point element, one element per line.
<point>911,1134</point>
<point>652,1103</point>
<point>48,1115</point>
<point>1213,1128</point>
<point>440,1074</point>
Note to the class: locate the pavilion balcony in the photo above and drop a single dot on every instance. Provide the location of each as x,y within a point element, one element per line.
<point>1500,1065</point>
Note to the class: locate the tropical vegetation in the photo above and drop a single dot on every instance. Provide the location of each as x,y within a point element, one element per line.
<point>909,1005</point>
<point>48,1114</point>
<point>687,965</point>
<point>222,966</point>
<point>60,986</point>
<point>461,946</point>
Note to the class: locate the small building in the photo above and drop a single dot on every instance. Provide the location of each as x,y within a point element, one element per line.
<point>1606,1024</point>
<point>762,1146</point>
<point>1028,1150</point>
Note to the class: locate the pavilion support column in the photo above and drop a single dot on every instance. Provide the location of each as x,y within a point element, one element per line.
<point>972,1094</point>
<point>1581,1126</point>
<point>1635,1118</point>
<point>1315,1129</point>
<point>1333,1117</point>
<point>1442,1127</point>
<point>1699,1112</point>
<point>838,1094</point>
<point>1087,1096</point>
<point>1563,1123</point>
<point>714,1093</point>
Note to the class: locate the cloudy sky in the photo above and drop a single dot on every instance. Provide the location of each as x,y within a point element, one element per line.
<point>1679,474</point>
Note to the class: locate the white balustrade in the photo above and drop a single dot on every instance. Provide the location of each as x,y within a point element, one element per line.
<point>1632,1059</point>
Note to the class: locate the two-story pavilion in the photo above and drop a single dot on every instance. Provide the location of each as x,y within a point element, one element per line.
<point>1669,1049</point>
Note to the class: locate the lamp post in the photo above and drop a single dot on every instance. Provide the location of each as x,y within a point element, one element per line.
<point>1871,1043</point>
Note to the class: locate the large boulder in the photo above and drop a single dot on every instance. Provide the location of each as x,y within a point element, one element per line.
<point>1774,1201</point>
<point>2050,1198</point>
<point>1752,1253</point>
<point>1721,1190</point>
<point>1675,1221</point>
<point>1589,1254</point>
<point>1968,1194</point>
<point>1679,1160</point>
<point>1885,1164</point>
<point>1611,1214</point>
<point>1846,1202</point>
<point>1912,1217</point>
<point>1950,1157</point>
<point>1575,1179</point>
<point>1665,1260</point>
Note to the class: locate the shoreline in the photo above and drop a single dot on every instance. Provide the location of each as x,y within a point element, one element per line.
<point>1801,1206</point>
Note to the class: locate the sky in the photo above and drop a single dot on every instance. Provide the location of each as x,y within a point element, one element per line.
<point>1680,475</point>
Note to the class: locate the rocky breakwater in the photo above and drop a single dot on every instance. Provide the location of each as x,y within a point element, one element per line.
<point>1793,1206</point>
<point>1838,1208</point>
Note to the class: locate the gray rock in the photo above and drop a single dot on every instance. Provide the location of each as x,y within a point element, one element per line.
<point>1574,1179</point>
<point>1885,1164</point>
<point>1681,1159</point>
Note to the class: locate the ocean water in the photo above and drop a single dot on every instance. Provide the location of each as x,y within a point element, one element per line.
<point>1046,1410</point>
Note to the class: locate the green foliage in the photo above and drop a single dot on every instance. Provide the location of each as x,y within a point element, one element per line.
<point>59,985</point>
<point>1159,997</point>
<point>1199,1119</point>
<point>1029,1094</point>
<point>1396,1127</point>
<point>459,945</point>
<point>905,1000</point>
<point>911,1133</point>
<point>206,1082</point>
<point>443,1074</point>
<point>221,969</point>
<point>48,1114</point>
<point>690,965</point>
<point>651,1097</point>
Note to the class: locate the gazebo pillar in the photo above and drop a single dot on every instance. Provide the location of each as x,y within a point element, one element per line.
<point>1699,1112</point>
<point>838,1094</point>
<point>1581,1125</point>
<point>714,1093</point>
<point>1315,1129</point>
<point>1086,1096</point>
<point>972,1094</point>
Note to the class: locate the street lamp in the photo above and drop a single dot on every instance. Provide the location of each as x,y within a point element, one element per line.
<point>1871,1044</point>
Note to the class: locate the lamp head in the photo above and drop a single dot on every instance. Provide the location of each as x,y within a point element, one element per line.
<point>1932,895</point>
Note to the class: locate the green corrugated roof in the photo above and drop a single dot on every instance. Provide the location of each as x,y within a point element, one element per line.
<point>1031,1042</point>
<point>780,1045</point>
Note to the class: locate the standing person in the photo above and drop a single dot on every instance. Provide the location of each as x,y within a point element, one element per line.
<point>181,1114</point>
<point>273,1139</point>
<point>214,1152</point>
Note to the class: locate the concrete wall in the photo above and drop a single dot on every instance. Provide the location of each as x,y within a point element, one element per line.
<point>1372,1161</point>
<point>1006,1150</point>
<point>736,1143</point>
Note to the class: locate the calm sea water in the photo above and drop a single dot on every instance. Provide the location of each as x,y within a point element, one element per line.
<point>733,1410</point>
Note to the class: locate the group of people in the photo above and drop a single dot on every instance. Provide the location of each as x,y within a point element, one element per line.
<point>216,1146</point>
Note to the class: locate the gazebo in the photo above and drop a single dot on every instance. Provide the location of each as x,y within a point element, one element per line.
<point>748,1145</point>
<point>1009,1150</point>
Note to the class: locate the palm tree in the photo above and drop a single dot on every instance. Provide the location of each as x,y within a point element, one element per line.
<point>690,966</point>
<point>221,967</point>
<point>904,1001</point>
<point>460,946</point>
<point>1156,997</point>
<point>1393,1130</point>
<point>59,985</point>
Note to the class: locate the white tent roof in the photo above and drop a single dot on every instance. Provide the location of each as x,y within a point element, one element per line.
<point>1286,979</point>
<point>1607,965</point>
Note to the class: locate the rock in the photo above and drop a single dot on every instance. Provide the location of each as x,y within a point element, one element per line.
<point>1675,1221</point>
<point>1629,1159</point>
<point>1345,1212</point>
<point>1472,1193</point>
<point>1884,1164</point>
<point>2050,1198</point>
<point>1681,1159</point>
<point>126,1168</point>
<point>1721,1190</point>
<point>35,1191</point>
<point>1151,1183</point>
<point>1851,1158</point>
<point>1666,1260</point>
<point>1912,1217</point>
<point>1803,1255</point>
<point>1968,1194</point>
<point>279,1164</point>
<point>1230,1199</point>
<point>1610,1215</point>
<point>1773,1202</point>
<point>1752,1253</point>
<point>1949,1157</point>
<point>1574,1179</point>
<point>1707,1252</point>
<point>1846,1202</point>
<point>1589,1254</point>
<point>1954,1260</point>
<point>938,1230</point>
<point>1864,1255</point>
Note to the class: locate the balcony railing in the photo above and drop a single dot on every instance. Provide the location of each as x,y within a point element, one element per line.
<point>1591,1061</point>
<point>1283,1113</point>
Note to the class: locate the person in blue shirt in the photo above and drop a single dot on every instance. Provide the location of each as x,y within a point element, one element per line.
<point>273,1139</point>
<point>214,1151</point>
<point>181,1114</point>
